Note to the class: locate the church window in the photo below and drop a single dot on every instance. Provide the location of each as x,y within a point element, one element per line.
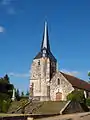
<point>58,82</point>
<point>39,62</point>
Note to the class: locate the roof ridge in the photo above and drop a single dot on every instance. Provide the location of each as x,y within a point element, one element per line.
<point>77,82</point>
<point>71,75</point>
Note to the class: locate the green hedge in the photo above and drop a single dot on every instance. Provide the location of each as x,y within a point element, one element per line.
<point>4,102</point>
<point>76,95</point>
<point>88,101</point>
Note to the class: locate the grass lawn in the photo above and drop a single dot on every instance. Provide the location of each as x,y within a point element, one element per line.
<point>50,107</point>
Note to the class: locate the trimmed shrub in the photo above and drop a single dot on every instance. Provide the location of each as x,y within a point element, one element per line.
<point>76,95</point>
<point>88,101</point>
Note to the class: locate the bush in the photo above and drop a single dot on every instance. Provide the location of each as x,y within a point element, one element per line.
<point>4,105</point>
<point>6,90</point>
<point>76,96</point>
<point>5,101</point>
<point>88,101</point>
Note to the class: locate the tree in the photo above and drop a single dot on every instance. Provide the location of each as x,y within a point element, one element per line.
<point>5,101</point>
<point>5,93</point>
<point>6,79</point>
<point>27,93</point>
<point>89,75</point>
<point>88,101</point>
<point>22,94</point>
<point>76,95</point>
<point>5,105</point>
<point>17,94</point>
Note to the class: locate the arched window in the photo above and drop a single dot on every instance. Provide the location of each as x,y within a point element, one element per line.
<point>39,62</point>
<point>58,81</point>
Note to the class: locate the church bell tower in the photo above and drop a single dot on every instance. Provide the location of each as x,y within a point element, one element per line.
<point>42,70</point>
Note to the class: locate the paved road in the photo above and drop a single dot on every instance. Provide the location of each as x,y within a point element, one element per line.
<point>77,116</point>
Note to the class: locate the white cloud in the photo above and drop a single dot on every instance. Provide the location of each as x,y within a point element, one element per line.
<point>24,75</point>
<point>2,29</point>
<point>74,73</point>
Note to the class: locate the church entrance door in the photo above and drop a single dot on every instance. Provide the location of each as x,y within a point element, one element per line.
<point>58,96</point>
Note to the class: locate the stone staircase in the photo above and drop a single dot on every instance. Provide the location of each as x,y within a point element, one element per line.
<point>33,107</point>
<point>16,105</point>
<point>36,107</point>
<point>30,107</point>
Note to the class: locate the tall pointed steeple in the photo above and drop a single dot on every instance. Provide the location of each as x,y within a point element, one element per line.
<point>45,46</point>
<point>45,42</point>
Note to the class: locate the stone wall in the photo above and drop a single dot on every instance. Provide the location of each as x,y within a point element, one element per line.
<point>35,77</point>
<point>40,78</point>
<point>64,87</point>
<point>42,86</point>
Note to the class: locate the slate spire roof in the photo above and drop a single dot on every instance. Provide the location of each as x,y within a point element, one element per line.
<point>45,41</point>
<point>45,46</point>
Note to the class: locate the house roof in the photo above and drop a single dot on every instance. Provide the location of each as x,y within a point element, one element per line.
<point>76,82</point>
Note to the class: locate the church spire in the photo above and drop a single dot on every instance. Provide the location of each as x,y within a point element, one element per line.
<point>45,42</point>
<point>45,46</point>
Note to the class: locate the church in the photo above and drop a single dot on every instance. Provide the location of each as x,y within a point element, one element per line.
<point>47,83</point>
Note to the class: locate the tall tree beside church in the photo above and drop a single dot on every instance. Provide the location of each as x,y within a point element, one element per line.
<point>6,90</point>
<point>6,79</point>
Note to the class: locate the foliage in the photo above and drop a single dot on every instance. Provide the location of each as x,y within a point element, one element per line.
<point>5,101</point>
<point>22,94</point>
<point>76,95</point>
<point>5,79</point>
<point>4,96</point>
<point>88,101</point>
<point>17,95</point>
<point>89,74</point>
<point>5,105</point>
<point>5,93</point>
<point>27,93</point>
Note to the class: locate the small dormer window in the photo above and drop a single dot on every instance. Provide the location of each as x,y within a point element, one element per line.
<point>39,62</point>
<point>58,81</point>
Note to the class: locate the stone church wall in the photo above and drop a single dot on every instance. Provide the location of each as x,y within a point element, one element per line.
<point>64,87</point>
<point>40,78</point>
<point>35,78</point>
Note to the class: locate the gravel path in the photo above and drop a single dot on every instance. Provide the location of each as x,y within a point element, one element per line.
<point>77,116</point>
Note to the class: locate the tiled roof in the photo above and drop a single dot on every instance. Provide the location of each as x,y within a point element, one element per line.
<point>76,82</point>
